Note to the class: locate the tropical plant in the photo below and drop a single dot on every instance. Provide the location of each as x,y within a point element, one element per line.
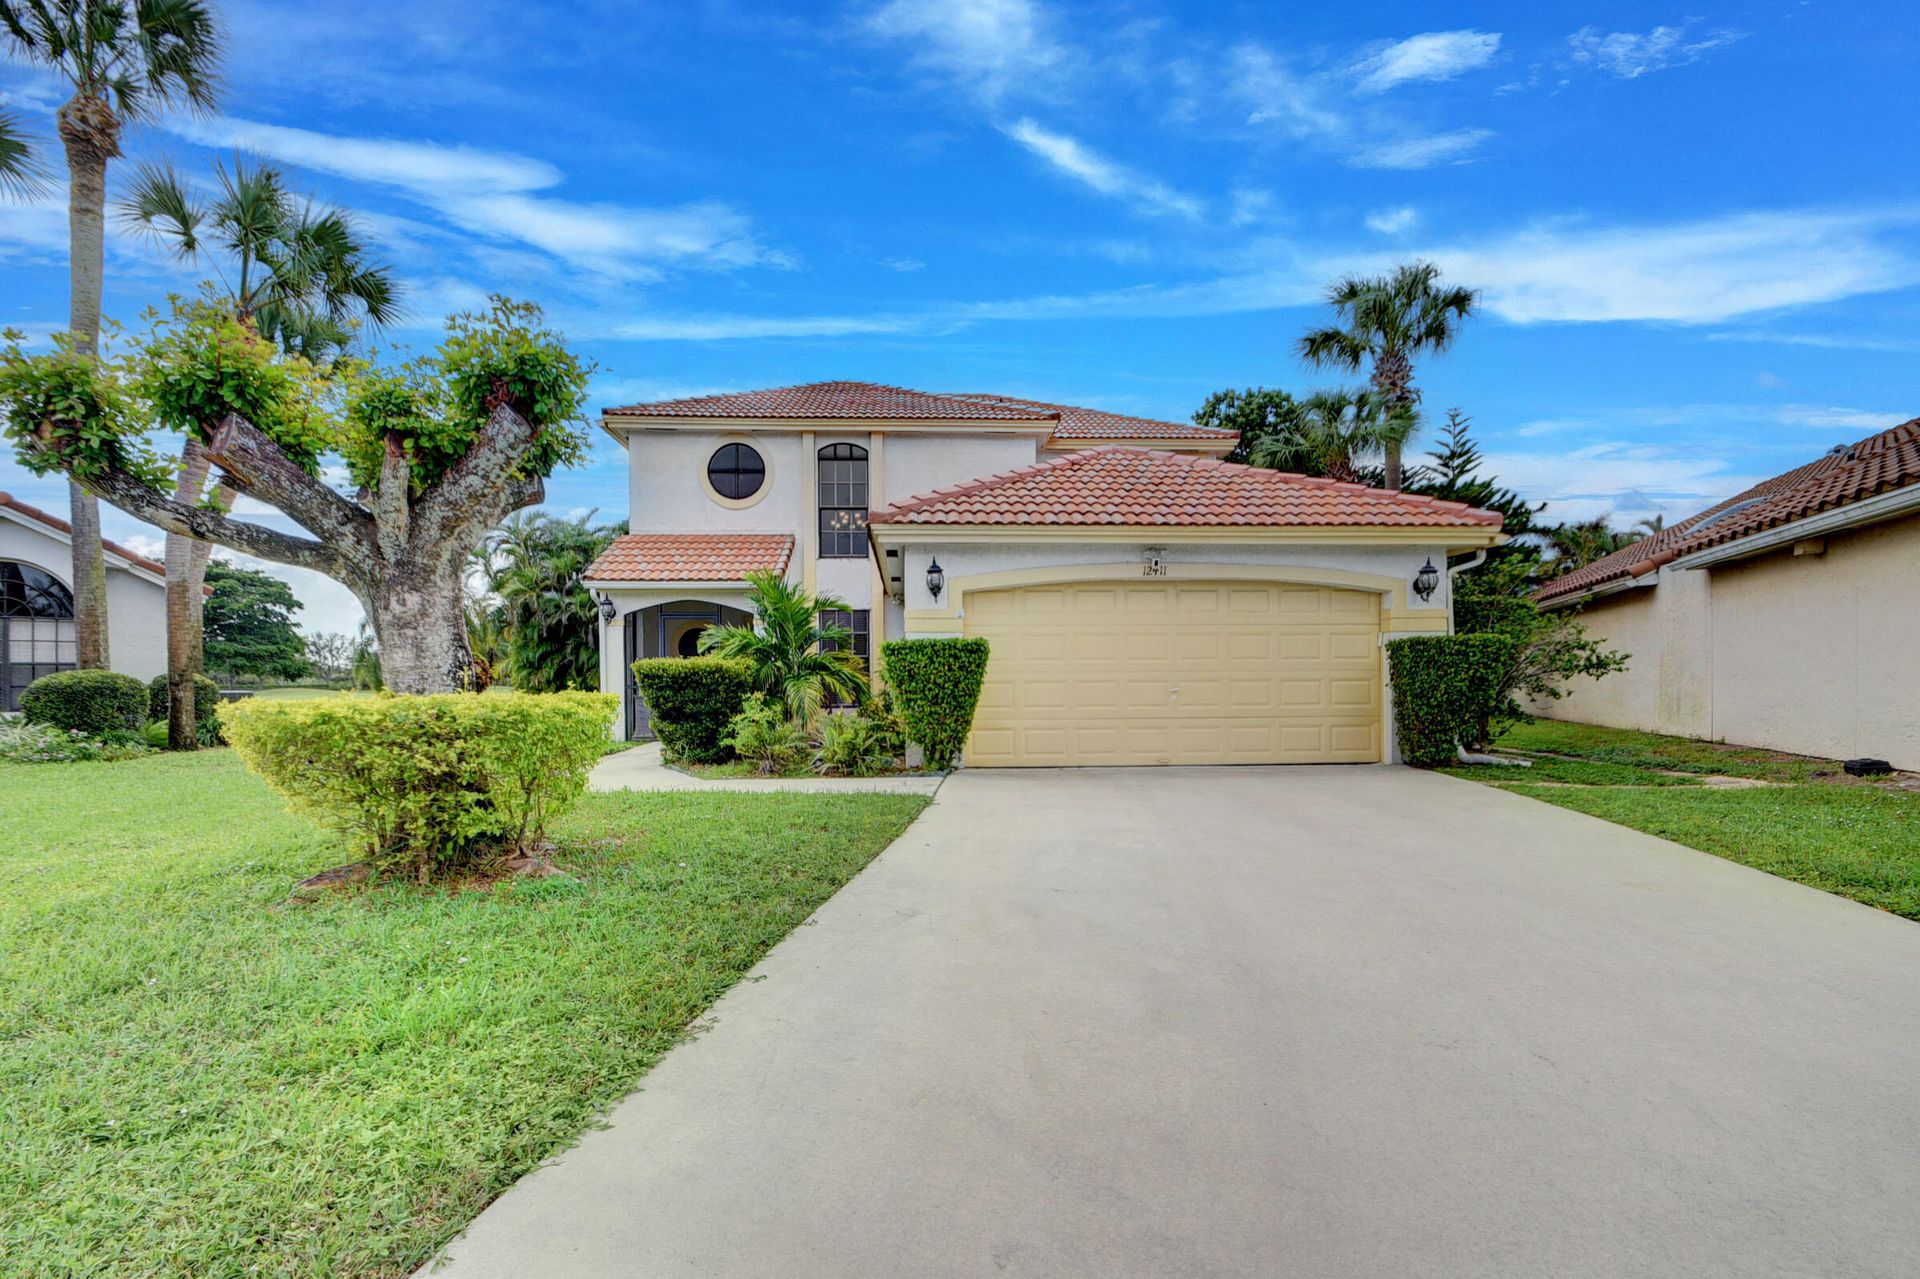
<point>796,658</point>
<point>1576,545</point>
<point>1652,526</point>
<point>1387,321</point>
<point>441,451</point>
<point>364,662</point>
<point>21,173</point>
<point>536,565</point>
<point>764,735</point>
<point>1332,434</point>
<point>124,60</point>
<point>250,627</point>
<point>856,745</point>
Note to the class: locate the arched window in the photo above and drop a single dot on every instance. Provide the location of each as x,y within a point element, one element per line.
<point>36,629</point>
<point>843,502</point>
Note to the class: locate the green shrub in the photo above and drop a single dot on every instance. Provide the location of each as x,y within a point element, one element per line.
<point>938,683</point>
<point>427,784</point>
<point>1446,690</point>
<point>206,708</point>
<point>691,702</point>
<point>23,742</point>
<point>856,746</point>
<point>762,735</point>
<point>91,702</point>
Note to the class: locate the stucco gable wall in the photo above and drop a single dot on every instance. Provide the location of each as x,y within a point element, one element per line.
<point>136,607</point>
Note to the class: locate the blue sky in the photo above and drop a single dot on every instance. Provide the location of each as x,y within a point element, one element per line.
<point>1696,228</point>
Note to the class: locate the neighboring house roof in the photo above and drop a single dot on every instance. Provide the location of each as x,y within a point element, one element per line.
<point>1848,474</point>
<point>691,557</point>
<point>1097,424</point>
<point>1127,487</point>
<point>131,558</point>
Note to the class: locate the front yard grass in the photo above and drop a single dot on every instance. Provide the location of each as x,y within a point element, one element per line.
<point>1856,837</point>
<point>197,1078</point>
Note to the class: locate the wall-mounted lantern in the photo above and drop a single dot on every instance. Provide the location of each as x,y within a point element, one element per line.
<point>1426,581</point>
<point>606,607</point>
<point>936,579</point>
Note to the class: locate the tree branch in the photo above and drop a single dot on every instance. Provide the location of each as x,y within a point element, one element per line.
<point>145,503</point>
<point>390,511</point>
<point>260,468</point>
<point>479,480</point>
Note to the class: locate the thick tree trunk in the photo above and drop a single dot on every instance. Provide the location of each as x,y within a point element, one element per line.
<point>90,134</point>
<point>422,632</point>
<point>183,610</point>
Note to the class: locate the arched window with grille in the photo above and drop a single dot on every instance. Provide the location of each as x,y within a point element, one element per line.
<point>843,502</point>
<point>36,629</point>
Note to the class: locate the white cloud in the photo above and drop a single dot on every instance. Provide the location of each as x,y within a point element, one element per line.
<point>496,194</point>
<point>1689,273</point>
<point>1393,221</point>
<point>1630,55</point>
<point>990,47</point>
<point>1822,341</point>
<point>1250,207</point>
<point>1435,55</point>
<point>904,265</point>
<point>1108,177</point>
<point>1626,482</point>
<point>720,328</point>
<point>1272,93</point>
<point>1421,152</point>
<point>1831,418</point>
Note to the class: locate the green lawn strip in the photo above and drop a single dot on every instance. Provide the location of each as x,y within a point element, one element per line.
<point>196,1079</point>
<point>1574,772</point>
<point>1654,751</point>
<point>1862,842</point>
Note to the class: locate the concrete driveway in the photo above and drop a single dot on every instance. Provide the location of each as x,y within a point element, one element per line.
<point>1270,1022</point>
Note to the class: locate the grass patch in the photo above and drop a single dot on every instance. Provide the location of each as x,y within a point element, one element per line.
<point>197,1079</point>
<point>1816,826</point>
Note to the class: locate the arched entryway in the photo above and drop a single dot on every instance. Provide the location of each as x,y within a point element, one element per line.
<point>672,629</point>
<point>36,629</point>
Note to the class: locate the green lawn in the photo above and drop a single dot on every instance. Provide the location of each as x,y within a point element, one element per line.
<point>1856,837</point>
<point>198,1079</point>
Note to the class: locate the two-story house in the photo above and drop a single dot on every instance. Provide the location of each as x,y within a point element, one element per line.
<point>1147,602</point>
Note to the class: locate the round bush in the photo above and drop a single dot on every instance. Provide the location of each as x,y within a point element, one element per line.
<point>691,701</point>
<point>206,705</point>
<point>92,702</point>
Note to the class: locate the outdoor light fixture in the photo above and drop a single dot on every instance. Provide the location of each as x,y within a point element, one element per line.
<point>606,607</point>
<point>936,580</point>
<point>1426,581</point>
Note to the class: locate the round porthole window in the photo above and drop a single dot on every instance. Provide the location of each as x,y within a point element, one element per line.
<point>736,471</point>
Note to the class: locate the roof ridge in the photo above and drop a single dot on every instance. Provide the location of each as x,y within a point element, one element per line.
<point>51,520</point>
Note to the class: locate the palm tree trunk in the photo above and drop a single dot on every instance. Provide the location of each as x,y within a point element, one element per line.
<point>90,134</point>
<point>1393,380</point>
<point>183,609</point>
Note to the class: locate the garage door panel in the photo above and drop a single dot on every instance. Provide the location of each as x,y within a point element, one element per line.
<point>1203,673</point>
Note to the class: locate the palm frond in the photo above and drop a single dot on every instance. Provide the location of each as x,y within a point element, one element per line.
<point>22,175</point>
<point>158,204</point>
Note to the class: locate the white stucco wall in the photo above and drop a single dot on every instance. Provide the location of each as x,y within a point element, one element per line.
<point>1812,654</point>
<point>667,493</point>
<point>136,606</point>
<point>917,464</point>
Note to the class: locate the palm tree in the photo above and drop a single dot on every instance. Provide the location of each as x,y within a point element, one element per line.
<point>294,271</point>
<point>1388,320</point>
<point>1652,526</point>
<point>20,170</point>
<point>796,658</point>
<point>124,60</point>
<point>1579,544</point>
<point>536,566</point>
<point>1332,434</point>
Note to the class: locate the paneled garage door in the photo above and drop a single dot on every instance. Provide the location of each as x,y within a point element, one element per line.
<point>1177,673</point>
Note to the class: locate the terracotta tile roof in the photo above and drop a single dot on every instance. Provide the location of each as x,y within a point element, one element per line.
<point>691,557</point>
<point>1096,424</point>
<point>52,521</point>
<point>1115,485</point>
<point>1875,465</point>
<point>862,400</point>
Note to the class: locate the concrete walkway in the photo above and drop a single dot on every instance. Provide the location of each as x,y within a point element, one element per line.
<point>641,768</point>
<point>1270,1022</point>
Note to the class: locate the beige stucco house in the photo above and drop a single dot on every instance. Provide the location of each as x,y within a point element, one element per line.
<point>1786,617</point>
<point>1147,602</point>
<point>36,603</point>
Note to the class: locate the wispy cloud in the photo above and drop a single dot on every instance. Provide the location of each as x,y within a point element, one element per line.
<point>500,195</point>
<point>1621,480</point>
<point>1630,55</point>
<point>989,47</point>
<point>1273,93</point>
<point>1435,55</point>
<point>1081,163</point>
<point>1830,417</point>
<point>1421,152</point>
<point>1393,221</point>
<point>724,328</point>
<point>1821,341</point>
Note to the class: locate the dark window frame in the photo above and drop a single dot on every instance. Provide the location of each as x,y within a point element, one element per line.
<point>732,472</point>
<point>36,629</point>
<point>860,622</point>
<point>840,479</point>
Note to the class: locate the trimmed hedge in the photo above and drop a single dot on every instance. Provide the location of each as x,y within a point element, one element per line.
<point>206,706</point>
<point>691,701</point>
<point>427,784</point>
<point>938,683</point>
<point>1446,688</point>
<point>92,702</point>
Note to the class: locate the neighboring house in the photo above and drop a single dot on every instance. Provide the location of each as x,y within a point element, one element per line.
<point>1147,602</point>
<point>1786,617</point>
<point>36,603</point>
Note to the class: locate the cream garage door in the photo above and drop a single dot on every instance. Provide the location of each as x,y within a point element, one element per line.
<point>1177,673</point>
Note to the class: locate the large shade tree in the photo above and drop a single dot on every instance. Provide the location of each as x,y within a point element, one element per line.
<point>295,271</point>
<point>1386,321</point>
<point>123,60</point>
<point>439,451</point>
<point>250,627</point>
